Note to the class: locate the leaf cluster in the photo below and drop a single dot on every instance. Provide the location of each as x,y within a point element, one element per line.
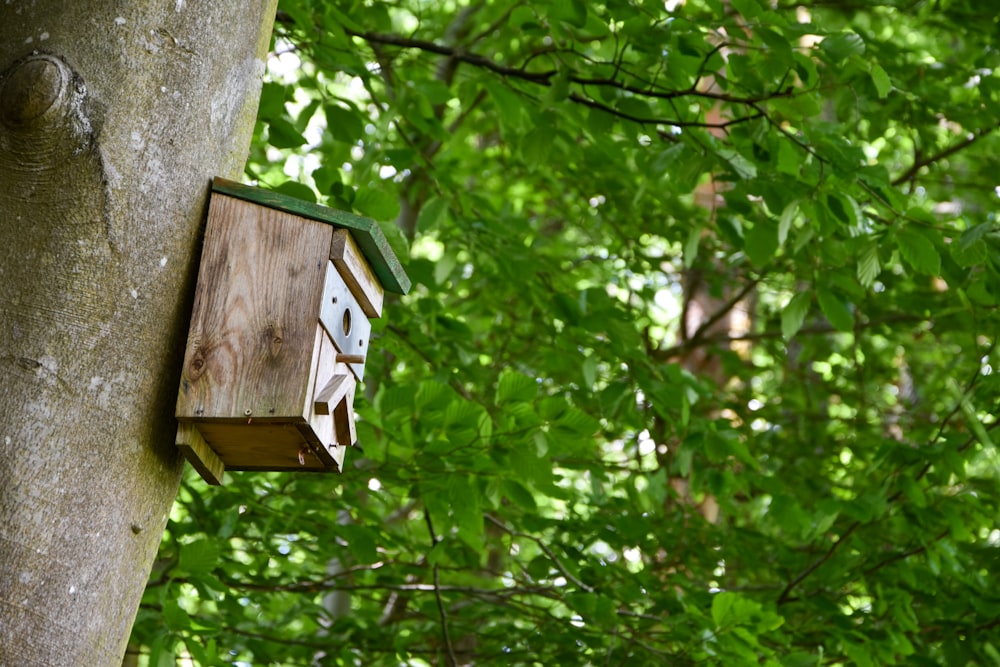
<point>555,467</point>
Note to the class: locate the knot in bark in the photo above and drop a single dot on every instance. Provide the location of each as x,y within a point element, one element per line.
<point>32,90</point>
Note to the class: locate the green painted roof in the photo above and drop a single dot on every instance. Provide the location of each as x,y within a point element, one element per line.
<point>366,232</point>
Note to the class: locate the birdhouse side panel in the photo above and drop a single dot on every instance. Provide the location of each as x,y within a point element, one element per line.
<point>250,350</point>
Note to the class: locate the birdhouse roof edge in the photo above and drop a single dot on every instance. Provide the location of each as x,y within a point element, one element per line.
<point>367,234</point>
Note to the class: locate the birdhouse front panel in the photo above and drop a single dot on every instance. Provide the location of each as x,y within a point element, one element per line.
<point>250,345</point>
<point>279,333</point>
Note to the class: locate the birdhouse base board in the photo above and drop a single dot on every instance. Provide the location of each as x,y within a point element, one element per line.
<point>215,446</point>
<point>199,454</point>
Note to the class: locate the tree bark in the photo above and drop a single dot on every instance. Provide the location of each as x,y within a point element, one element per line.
<point>113,118</point>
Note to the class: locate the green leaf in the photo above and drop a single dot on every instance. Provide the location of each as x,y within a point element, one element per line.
<point>443,268</point>
<point>573,12</point>
<point>325,178</point>
<point>883,86</point>
<point>790,157</point>
<point>837,311</point>
<point>198,652</point>
<point>975,425</point>
<point>729,609</point>
<point>161,652</point>
<point>518,493</point>
<point>432,214</point>
<point>691,246</point>
<point>541,443</point>
<point>360,542</point>
<point>198,557</point>
<point>844,208</point>
<point>744,167</point>
<point>750,9</point>
<point>515,386</point>
<point>794,314</point>
<point>509,106</point>
<point>174,617</point>
<point>761,242</point>
<point>378,205</point>
<point>841,46</point>
<point>558,87</point>
<point>805,67</point>
<point>971,248</point>
<point>869,267</point>
<point>282,134</point>
<point>911,489</point>
<point>859,654</point>
<point>342,124</point>
<point>577,421</point>
<point>272,101</point>
<point>788,216</point>
<point>801,659</point>
<point>918,251</point>
<point>462,415</point>
<point>464,499</point>
<point>724,444</point>
<point>297,190</point>
<point>590,371</point>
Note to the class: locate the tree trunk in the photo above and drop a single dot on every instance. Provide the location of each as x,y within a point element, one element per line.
<point>113,118</point>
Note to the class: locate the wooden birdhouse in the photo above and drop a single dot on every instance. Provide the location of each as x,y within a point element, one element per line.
<point>279,333</point>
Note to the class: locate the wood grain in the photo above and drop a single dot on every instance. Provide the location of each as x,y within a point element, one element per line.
<point>367,233</point>
<point>356,272</point>
<point>250,349</point>
<point>199,454</point>
<point>321,421</point>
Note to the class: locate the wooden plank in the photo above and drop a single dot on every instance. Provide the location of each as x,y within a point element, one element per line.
<point>320,372</point>
<point>333,393</point>
<point>356,273</point>
<point>320,425</point>
<point>368,234</point>
<point>263,445</point>
<point>343,419</point>
<point>250,350</point>
<point>338,454</point>
<point>197,451</point>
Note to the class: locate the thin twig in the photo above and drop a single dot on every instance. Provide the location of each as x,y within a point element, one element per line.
<point>545,76</point>
<point>445,635</point>
<point>541,545</point>
<point>724,309</point>
<point>724,339</point>
<point>902,555</point>
<point>784,597</point>
<point>910,173</point>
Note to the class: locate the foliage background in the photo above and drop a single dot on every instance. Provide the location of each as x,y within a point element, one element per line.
<point>553,468</point>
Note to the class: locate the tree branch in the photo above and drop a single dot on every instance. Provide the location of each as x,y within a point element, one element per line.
<point>784,597</point>
<point>902,556</point>
<point>724,310</point>
<point>594,104</point>
<point>822,328</point>
<point>911,173</point>
<point>445,634</point>
<point>544,78</point>
<point>541,545</point>
<point>798,579</point>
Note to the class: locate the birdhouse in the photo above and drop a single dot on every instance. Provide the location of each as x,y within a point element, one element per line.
<point>279,332</point>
